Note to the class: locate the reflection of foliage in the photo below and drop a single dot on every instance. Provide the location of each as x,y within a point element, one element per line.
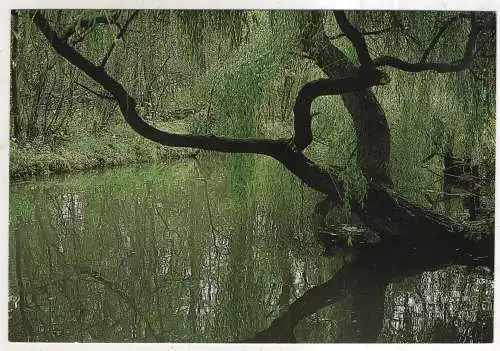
<point>442,306</point>
<point>167,265</point>
<point>164,260</point>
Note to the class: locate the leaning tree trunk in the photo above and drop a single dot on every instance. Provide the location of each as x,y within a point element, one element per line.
<point>383,210</point>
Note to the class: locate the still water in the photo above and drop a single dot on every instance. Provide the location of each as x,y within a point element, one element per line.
<point>215,250</point>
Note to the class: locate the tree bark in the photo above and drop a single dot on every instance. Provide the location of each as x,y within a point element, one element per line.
<point>383,211</point>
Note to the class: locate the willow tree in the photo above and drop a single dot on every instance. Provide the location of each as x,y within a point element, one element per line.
<point>351,76</point>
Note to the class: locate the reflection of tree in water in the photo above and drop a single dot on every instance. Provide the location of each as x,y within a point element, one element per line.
<point>451,305</point>
<point>68,211</point>
<point>429,302</point>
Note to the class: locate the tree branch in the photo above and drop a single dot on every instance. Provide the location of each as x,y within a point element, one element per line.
<point>356,38</point>
<point>310,91</point>
<point>103,96</point>
<point>281,149</point>
<point>370,123</point>
<point>438,35</point>
<point>441,67</point>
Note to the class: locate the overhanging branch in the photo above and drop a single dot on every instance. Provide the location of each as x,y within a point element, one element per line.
<point>280,149</point>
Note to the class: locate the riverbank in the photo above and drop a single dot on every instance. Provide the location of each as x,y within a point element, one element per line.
<point>121,146</point>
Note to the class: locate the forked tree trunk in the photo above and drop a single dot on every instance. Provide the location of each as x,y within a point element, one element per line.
<point>373,143</point>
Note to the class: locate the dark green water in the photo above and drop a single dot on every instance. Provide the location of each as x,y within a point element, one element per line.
<point>186,253</point>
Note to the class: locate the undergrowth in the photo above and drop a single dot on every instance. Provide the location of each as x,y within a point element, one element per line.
<point>118,147</point>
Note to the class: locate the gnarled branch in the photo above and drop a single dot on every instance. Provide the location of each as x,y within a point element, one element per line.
<point>310,91</point>
<point>280,149</point>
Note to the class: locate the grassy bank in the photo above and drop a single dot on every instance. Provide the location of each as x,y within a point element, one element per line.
<point>119,146</point>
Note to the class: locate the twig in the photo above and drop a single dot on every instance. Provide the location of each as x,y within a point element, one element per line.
<point>374,32</point>
<point>436,38</point>
<point>103,96</point>
<point>119,36</point>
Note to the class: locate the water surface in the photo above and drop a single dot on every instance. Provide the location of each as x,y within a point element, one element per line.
<point>216,250</point>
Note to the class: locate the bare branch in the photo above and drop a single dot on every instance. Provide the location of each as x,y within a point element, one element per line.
<point>438,35</point>
<point>441,67</point>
